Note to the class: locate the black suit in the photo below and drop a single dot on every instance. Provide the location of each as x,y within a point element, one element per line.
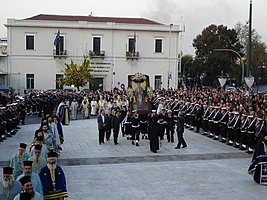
<point>115,124</point>
<point>102,125</point>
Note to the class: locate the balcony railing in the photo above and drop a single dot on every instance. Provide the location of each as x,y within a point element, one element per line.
<point>132,55</point>
<point>59,54</point>
<point>97,54</point>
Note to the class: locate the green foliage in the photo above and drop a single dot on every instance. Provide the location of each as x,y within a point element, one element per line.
<point>213,63</point>
<point>259,51</point>
<point>77,75</point>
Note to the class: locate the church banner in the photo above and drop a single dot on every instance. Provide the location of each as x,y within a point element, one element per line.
<point>139,92</point>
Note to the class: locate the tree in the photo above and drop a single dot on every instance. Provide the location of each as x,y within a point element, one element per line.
<point>77,75</point>
<point>259,51</point>
<point>216,37</point>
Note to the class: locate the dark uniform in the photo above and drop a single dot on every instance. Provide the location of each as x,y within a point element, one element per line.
<point>223,125</point>
<point>153,132</point>
<point>135,130</point>
<point>205,121</point>
<point>230,130</point>
<point>236,130</point>
<point>127,125</point>
<point>210,122</point>
<point>170,126</point>
<point>162,123</point>
<point>143,125</point>
<point>251,134</point>
<point>259,130</point>
<point>199,117</point>
<point>243,132</point>
<point>216,125</point>
<point>123,116</point>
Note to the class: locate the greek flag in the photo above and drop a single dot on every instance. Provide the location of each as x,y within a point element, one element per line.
<point>169,75</point>
<point>57,38</point>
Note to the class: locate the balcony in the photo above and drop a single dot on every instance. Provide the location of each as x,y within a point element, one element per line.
<point>132,55</point>
<point>97,54</point>
<point>59,54</point>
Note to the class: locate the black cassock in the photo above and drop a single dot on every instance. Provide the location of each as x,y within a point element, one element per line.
<point>153,134</point>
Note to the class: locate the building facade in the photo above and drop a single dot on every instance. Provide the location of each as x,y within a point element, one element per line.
<point>38,48</point>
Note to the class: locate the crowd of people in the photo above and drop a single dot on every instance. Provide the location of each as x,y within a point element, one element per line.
<point>33,173</point>
<point>236,118</point>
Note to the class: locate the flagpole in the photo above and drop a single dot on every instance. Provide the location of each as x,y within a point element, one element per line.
<point>169,56</point>
<point>249,40</point>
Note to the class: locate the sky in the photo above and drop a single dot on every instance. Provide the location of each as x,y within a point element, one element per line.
<point>195,15</point>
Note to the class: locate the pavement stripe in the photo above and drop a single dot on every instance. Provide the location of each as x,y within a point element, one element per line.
<point>143,159</point>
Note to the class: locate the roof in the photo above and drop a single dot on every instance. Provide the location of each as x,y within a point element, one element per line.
<point>93,19</point>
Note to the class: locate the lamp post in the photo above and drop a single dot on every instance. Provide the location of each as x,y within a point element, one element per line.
<point>242,62</point>
<point>169,55</point>
<point>187,61</point>
<point>184,80</point>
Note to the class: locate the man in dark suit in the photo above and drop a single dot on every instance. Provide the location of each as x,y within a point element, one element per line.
<point>115,125</point>
<point>102,121</point>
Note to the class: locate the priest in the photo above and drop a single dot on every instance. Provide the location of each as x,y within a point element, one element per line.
<point>53,179</point>
<point>9,187</point>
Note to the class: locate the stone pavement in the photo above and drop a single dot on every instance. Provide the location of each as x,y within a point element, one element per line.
<point>207,169</point>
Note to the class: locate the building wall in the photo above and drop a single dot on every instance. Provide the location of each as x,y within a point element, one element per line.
<point>78,42</point>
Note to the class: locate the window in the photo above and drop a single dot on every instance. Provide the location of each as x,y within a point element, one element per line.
<point>29,42</point>
<point>60,46</point>
<point>157,82</point>
<point>96,45</point>
<point>30,81</point>
<point>131,45</point>
<point>158,46</point>
<point>59,78</point>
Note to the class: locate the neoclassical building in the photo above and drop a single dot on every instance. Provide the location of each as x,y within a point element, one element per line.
<point>38,48</point>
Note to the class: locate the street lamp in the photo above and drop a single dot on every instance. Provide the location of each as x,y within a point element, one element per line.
<point>191,59</point>
<point>187,61</point>
<point>241,60</point>
<point>169,55</point>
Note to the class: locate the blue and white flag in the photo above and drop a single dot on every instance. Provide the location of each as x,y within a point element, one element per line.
<point>57,38</point>
<point>170,75</point>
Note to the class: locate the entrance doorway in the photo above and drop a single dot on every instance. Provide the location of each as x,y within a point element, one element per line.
<point>96,83</point>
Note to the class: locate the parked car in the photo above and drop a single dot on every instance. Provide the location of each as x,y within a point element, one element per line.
<point>230,88</point>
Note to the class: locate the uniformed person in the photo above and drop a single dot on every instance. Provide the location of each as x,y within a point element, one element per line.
<point>223,124</point>
<point>135,130</point>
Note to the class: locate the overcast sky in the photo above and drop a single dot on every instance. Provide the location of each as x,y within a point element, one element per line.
<point>195,14</point>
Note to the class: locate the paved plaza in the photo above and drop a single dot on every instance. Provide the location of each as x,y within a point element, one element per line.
<point>207,169</point>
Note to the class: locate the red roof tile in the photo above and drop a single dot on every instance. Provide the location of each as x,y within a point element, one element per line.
<point>93,19</point>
